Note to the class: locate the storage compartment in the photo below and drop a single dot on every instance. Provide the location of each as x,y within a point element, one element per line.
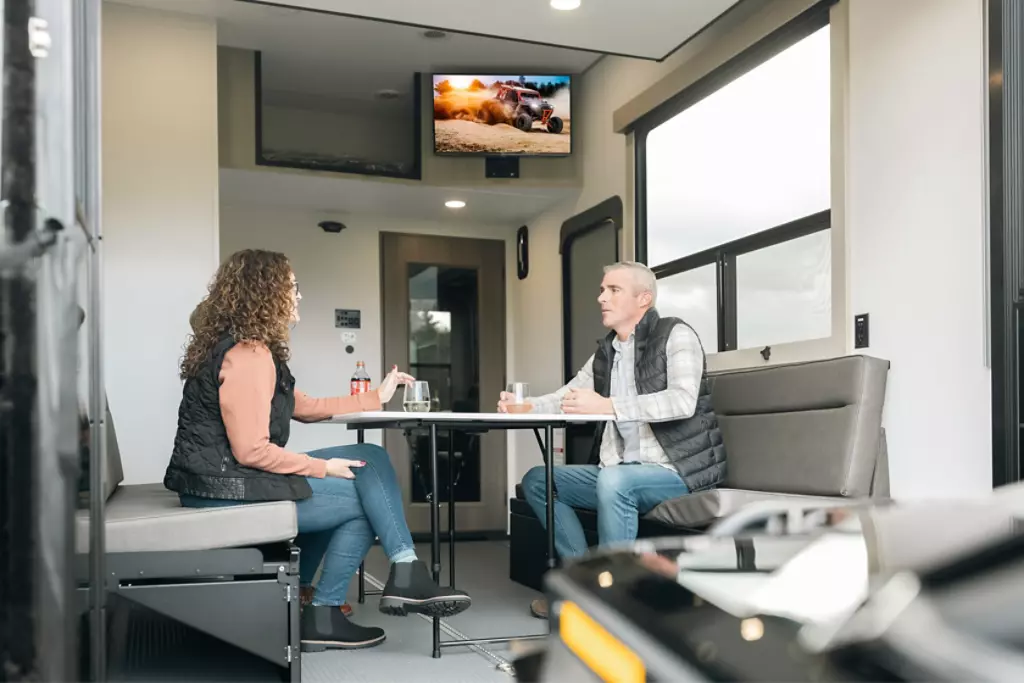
<point>341,129</point>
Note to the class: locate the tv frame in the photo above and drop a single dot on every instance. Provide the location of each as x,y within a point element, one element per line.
<point>518,155</point>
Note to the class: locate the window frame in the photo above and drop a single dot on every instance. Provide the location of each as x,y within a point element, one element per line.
<point>723,256</point>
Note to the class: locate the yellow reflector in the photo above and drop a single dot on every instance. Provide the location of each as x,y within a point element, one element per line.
<point>601,651</point>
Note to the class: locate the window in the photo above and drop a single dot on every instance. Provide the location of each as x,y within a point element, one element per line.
<point>734,193</point>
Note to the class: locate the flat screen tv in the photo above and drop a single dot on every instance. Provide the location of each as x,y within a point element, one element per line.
<point>502,115</point>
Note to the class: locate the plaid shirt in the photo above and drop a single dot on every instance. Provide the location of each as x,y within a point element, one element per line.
<point>678,401</point>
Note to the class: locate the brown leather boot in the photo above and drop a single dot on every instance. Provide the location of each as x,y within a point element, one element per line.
<point>306,599</point>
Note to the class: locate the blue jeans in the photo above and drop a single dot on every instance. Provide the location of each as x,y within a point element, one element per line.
<point>620,494</point>
<point>338,523</point>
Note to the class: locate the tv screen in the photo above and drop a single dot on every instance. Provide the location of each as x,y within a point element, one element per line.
<point>502,115</point>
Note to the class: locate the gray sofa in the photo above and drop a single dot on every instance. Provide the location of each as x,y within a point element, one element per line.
<point>801,433</point>
<point>232,573</point>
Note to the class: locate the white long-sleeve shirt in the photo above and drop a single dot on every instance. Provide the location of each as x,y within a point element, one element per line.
<point>630,436</point>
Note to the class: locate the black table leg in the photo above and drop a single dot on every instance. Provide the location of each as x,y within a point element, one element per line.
<point>451,508</point>
<point>435,532</point>
<point>549,468</point>
<point>360,438</point>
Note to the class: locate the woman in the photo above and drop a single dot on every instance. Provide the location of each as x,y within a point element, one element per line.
<point>237,403</point>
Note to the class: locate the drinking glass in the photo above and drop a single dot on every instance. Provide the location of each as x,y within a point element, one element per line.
<point>519,402</point>
<point>417,398</point>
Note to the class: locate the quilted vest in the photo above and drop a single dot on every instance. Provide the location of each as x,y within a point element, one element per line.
<point>693,445</point>
<point>202,463</point>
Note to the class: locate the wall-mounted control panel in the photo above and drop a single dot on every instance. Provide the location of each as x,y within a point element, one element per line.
<point>347,318</point>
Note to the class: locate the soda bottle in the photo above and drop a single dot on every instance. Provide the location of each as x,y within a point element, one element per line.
<point>360,383</point>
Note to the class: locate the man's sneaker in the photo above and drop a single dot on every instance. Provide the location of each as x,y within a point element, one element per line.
<point>325,627</point>
<point>411,589</point>
<point>539,608</point>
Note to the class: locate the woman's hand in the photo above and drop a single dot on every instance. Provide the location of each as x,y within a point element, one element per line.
<point>390,384</point>
<point>342,468</point>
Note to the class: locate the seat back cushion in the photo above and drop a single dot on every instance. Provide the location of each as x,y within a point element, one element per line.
<point>115,473</point>
<point>808,428</point>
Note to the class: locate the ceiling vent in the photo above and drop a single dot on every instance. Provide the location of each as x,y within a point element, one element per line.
<point>387,94</point>
<point>434,34</point>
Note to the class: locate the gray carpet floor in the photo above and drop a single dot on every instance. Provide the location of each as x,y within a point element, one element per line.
<point>500,608</point>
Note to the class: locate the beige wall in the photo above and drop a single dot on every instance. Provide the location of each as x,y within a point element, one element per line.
<point>160,215</point>
<point>916,227</point>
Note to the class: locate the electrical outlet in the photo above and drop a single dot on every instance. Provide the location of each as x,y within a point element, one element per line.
<point>348,337</point>
<point>861,336</point>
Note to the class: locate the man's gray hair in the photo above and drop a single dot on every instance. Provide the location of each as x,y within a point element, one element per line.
<point>642,276</point>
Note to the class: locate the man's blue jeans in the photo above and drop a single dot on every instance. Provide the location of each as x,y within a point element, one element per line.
<point>620,494</point>
<point>338,524</point>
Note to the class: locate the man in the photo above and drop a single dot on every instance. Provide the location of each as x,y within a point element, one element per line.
<point>650,373</point>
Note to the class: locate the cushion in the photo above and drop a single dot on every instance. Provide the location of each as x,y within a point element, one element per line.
<point>698,510</point>
<point>115,473</point>
<point>149,518</point>
<point>807,428</point>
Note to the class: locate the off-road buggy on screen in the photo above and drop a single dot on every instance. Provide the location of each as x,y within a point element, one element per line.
<point>527,106</point>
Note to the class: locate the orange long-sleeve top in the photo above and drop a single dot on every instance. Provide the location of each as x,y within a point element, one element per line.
<point>248,378</point>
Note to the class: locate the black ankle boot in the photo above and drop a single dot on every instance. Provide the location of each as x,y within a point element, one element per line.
<point>326,627</point>
<point>410,588</point>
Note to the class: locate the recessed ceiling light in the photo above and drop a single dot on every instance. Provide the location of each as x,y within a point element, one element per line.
<point>565,4</point>
<point>455,203</point>
<point>387,94</point>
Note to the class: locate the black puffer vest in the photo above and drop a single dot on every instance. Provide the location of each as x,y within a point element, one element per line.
<point>694,445</point>
<point>202,464</point>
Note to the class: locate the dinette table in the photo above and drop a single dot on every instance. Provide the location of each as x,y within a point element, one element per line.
<point>471,423</point>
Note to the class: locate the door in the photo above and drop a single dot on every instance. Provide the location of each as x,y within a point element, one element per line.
<point>444,320</point>
<point>590,241</point>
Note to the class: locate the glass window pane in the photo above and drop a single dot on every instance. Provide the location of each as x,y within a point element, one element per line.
<point>444,350</point>
<point>693,296</point>
<point>750,156</point>
<point>784,292</point>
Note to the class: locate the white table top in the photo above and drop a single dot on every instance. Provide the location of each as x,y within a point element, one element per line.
<point>511,418</point>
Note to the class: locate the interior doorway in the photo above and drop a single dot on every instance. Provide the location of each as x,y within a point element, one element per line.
<point>589,242</point>
<point>444,320</point>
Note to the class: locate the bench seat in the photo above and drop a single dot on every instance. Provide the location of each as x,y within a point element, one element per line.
<point>700,510</point>
<point>800,434</point>
<point>149,518</point>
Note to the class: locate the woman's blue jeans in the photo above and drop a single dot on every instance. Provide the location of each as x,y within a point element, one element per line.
<point>338,523</point>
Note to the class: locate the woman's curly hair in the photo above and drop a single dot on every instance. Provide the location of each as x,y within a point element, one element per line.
<point>250,299</point>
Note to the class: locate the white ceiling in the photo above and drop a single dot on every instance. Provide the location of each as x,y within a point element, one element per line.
<point>347,195</point>
<point>313,59</point>
<point>649,29</point>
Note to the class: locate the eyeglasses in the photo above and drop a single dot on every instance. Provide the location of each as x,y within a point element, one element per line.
<point>296,286</point>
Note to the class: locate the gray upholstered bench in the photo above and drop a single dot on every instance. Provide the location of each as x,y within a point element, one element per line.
<point>231,572</point>
<point>799,434</point>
